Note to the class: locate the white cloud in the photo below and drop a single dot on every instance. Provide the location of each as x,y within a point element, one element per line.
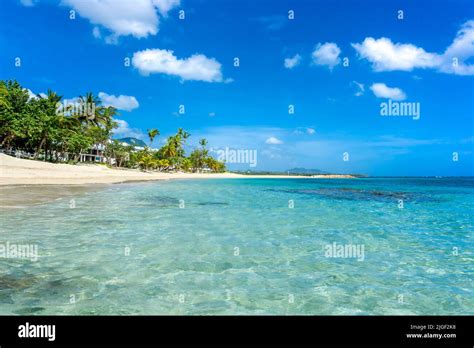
<point>388,56</point>
<point>326,54</point>
<point>124,130</point>
<point>273,141</point>
<point>381,90</point>
<point>395,141</point>
<point>238,136</point>
<point>197,67</point>
<point>290,63</point>
<point>462,48</point>
<point>322,152</point>
<point>71,101</point>
<point>96,33</point>
<point>122,102</point>
<point>304,130</point>
<point>138,18</point>
<point>271,153</point>
<point>31,95</point>
<point>164,6</point>
<point>360,88</point>
<point>27,3</point>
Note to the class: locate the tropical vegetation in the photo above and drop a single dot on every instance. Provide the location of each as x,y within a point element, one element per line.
<point>47,127</point>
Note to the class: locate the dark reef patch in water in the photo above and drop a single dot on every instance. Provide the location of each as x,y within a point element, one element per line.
<point>159,201</point>
<point>28,310</point>
<point>16,283</point>
<point>171,202</point>
<point>352,194</point>
<point>100,222</point>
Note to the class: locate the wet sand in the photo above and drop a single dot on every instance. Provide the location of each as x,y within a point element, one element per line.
<point>22,196</point>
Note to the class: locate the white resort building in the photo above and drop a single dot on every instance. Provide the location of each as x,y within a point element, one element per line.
<point>95,154</point>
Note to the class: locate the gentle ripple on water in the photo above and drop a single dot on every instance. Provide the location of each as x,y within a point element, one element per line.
<point>235,247</point>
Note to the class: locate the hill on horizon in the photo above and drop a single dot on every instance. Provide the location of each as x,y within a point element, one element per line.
<point>132,141</point>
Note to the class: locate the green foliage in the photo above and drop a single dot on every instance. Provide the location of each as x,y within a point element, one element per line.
<point>200,159</point>
<point>215,165</point>
<point>152,133</point>
<point>38,125</point>
<point>44,126</point>
<point>119,152</point>
<point>147,162</point>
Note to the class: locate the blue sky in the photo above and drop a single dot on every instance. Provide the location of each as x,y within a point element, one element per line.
<point>190,62</point>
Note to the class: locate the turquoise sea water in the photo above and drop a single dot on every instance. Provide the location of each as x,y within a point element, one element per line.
<point>236,247</point>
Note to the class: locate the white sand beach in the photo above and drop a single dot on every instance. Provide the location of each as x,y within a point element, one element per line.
<point>15,171</point>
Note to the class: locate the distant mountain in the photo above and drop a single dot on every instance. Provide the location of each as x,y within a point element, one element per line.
<point>304,171</point>
<point>133,141</point>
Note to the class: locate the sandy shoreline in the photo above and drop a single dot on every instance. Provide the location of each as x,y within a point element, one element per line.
<point>15,171</point>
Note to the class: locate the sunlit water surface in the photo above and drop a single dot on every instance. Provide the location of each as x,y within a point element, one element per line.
<point>234,246</point>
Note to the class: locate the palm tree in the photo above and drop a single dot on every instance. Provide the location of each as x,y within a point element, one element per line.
<point>49,120</point>
<point>152,133</point>
<point>98,119</point>
<point>107,124</point>
<point>91,111</point>
<point>204,151</point>
<point>108,115</point>
<point>147,162</point>
<point>183,134</point>
<point>179,141</point>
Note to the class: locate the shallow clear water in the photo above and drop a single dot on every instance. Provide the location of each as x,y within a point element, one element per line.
<point>417,259</point>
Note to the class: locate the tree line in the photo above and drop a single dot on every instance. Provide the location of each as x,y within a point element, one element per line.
<point>53,130</point>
